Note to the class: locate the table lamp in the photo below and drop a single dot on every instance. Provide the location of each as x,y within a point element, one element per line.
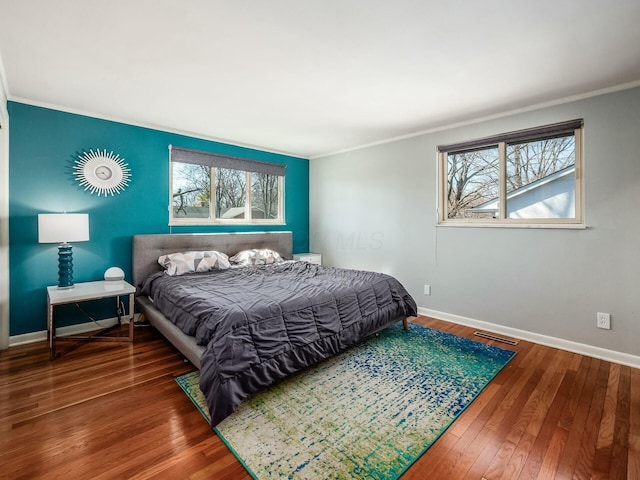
<point>63,228</point>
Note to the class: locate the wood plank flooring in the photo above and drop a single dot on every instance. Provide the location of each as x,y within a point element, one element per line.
<point>107,411</point>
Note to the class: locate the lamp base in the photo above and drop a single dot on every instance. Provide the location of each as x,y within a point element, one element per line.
<point>65,266</point>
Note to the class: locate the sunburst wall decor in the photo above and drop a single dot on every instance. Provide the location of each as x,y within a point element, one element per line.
<point>101,172</point>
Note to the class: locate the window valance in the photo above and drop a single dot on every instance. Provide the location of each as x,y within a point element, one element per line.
<point>199,157</point>
<point>548,131</point>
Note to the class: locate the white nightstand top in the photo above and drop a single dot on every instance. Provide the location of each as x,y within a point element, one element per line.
<point>309,257</point>
<point>89,291</point>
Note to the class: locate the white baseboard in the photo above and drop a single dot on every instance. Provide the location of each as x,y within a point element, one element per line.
<point>575,347</point>
<point>581,348</point>
<point>70,330</point>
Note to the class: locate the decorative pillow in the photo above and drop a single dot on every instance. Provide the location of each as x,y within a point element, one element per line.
<point>256,256</point>
<point>190,262</point>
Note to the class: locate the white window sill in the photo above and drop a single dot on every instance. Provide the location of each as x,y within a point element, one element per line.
<point>566,226</point>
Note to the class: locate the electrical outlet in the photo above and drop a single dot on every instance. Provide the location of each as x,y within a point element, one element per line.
<point>427,289</point>
<point>603,320</point>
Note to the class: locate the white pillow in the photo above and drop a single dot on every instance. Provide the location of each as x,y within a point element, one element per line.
<point>256,256</point>
<point>195,261</point>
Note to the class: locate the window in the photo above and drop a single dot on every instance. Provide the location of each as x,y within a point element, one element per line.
<point>528,177</point>
<point>207,188</point>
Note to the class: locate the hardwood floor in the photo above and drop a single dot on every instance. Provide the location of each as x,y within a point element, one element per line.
<point>114,411</point>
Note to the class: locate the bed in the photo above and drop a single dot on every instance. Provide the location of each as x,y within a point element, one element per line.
<point>246,328</point>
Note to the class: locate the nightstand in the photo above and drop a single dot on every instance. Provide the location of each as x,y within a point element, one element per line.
<point>84,292</point>
<point>308,257</point>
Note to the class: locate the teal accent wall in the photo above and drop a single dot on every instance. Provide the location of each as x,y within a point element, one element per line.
<point>44,145</point>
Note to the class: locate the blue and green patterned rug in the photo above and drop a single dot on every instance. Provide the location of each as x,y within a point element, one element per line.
<point>367,413</point>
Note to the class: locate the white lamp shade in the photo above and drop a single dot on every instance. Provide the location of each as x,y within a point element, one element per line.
<point>63,227</point>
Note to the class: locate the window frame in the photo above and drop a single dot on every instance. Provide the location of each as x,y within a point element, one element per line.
<point>575,127</point>
<point>228,163</point>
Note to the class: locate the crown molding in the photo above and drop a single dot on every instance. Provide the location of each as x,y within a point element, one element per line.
<point>151,126</point>
<point>507,113</point>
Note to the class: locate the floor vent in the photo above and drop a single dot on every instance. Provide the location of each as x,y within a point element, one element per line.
<point>496,338</point>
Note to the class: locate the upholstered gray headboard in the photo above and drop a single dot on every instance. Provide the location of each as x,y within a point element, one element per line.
<point>147,248</point>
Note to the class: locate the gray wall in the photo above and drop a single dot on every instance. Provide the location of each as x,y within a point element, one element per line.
<point>375,208</point>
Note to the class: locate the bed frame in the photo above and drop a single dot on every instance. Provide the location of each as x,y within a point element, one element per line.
<point>147,249</point>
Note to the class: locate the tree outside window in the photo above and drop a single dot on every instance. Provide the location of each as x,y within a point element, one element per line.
<point>512,180</point>
<point>235,196</point>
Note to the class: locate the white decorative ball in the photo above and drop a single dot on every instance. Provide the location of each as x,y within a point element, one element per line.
<point>114,274</point>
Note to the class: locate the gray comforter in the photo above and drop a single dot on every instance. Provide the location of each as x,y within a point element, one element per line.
<point>260,324</point>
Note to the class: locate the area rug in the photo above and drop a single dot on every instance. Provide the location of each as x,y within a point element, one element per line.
<point>367,413</point>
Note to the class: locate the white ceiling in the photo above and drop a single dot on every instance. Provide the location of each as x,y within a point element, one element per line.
<point>312,77</point>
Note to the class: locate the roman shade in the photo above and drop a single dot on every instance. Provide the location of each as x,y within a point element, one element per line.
<point>199,157</point>
<point>547,131</point>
